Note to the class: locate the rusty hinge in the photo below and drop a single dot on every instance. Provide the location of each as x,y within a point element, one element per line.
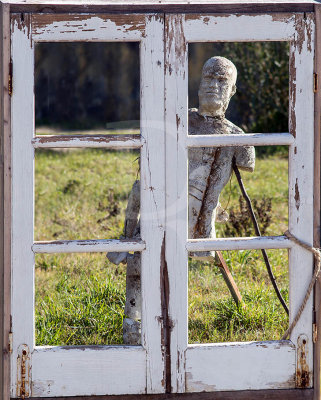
<point>303,374</point>
<point>315,82</point>
<point>23,372</point>
<point>10,88</point>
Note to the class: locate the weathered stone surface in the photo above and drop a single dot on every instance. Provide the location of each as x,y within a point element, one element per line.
<point>210,168</point>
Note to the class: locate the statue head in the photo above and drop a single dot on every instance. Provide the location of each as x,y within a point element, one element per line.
<point>217,86</point>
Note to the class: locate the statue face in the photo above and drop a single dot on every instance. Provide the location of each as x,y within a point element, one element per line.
<point>217,87</point>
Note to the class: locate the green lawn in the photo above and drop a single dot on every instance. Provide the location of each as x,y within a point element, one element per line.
<point>81,194</point>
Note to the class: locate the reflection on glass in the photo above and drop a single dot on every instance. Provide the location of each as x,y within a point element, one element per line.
<point>214,315</point>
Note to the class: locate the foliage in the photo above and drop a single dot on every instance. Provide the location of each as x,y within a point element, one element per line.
<point>240,222</point>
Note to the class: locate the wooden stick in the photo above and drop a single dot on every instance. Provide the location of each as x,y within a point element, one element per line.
<point>228,278</point>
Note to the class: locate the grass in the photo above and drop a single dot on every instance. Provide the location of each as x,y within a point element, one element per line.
<point>80,298</point>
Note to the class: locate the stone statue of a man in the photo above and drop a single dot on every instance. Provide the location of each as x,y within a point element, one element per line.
<point>210,168</point>
<point>209,171</point>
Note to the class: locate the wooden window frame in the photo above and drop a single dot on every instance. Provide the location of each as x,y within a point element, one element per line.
<point>83,370</point>
<point>5,180</point>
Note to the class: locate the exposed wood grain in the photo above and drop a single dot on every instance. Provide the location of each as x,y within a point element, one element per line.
<point>301,179</point>
<point>88,27</point>
<point>316,199</point>
<point>230,27</point>
<point>152,217</point>
<point>287,394</point>
<point>5,211</point>
<point>85,141</point>
<point>245,243</point>
<point>249,139</point>
<point>176,126</point>
<point>215,6</point>
<point>88,246</point>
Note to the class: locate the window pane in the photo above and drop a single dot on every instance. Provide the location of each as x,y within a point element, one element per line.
<point>215,317</point>
<point>87,88</point>
<point>83,193</point>
<point>217,206</point>
<point>261,101</point>
<point>81,300</point>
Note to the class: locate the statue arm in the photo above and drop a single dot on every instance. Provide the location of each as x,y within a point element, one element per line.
<point>131,223</point>
<point>132,211</point>
<point>245,158</point>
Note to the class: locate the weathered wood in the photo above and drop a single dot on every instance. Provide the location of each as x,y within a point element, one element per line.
<point>301,125</point>
<point>316,199</point>
<point>249,139</point>
<point>5,204</point>
<point>86,141</point>
<point>185,6</point>
<point>63,371</point>
<point>244,243</point>
<point>176,126</point>
<point>152,183</point>
<point>264,27</point>
<point>88,246</point>
<point>22,103</point>
<point>285,394</point>
<point>83,371</point>
<point>88,27</point>
<point>275,358</point>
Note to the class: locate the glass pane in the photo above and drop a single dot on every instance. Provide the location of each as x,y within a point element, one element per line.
<point>89,88</point>
<point>261,75</point>
<point>217,206</point>
<point>83,193</point>
<point>214,316</point>
<point>84,299</point>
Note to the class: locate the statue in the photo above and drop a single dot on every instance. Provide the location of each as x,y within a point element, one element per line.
<point>210,168</point>
<point>209,171</point>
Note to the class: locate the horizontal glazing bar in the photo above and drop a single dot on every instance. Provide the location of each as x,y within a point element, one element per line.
<point>249,139</point>
<point>246,243</point>
<point>88,246</point>
<point>102,141</point>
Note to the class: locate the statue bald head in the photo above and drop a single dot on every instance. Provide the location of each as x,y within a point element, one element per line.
<point>217,86</point>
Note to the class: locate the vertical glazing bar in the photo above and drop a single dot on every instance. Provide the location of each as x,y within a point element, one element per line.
<point>153,197</point>
<point>176,109</point>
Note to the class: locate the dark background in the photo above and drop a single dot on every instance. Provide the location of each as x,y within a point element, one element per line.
<point>96,85</point>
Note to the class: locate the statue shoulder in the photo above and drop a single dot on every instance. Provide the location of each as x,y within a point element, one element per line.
<point>231,128</point>
<point>194,120</point>
<point>193,114</point>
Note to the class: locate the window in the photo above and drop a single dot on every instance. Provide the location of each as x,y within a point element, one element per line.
<point>164,361</point>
